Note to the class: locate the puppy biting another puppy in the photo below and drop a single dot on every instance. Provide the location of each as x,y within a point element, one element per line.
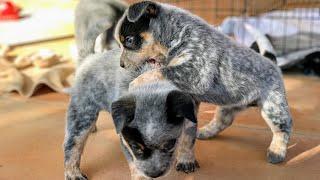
<point>203,62</point>
<point>156,122</point>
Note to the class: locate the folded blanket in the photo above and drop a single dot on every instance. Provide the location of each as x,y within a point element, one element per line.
<point>25,74</point>
<point>289,35</point>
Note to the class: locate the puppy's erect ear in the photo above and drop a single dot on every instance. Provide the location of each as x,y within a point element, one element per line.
<point>123,111</point>
<point>179,106</point>
<point>147,8</point>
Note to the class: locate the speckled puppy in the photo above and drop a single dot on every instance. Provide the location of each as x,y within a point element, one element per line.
<point>207,64</point>
<point>96,18</point>
<point>156,122</point>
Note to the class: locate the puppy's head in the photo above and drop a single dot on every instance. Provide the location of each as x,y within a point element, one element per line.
<point>150,127</point>
<point>135,37</point>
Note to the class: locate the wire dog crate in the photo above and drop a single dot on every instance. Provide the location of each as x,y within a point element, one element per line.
<point>290,25</point>
<point>214,11</point>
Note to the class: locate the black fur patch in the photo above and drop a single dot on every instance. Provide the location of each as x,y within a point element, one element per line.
<point>137,22</point>
<point>271,56</point>
<point>136,143</point>
<point>180,106</point>
<point>146,8</point>
<point>123,112</point>
<point>129,29</point>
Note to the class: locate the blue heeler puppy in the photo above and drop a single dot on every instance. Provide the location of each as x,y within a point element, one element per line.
<point>208,65</point>
<point>156,122</point>
<point>96,19</point>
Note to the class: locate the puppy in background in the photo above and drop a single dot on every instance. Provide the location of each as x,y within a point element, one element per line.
<point>95,21</point>
<point>156,122</point>
<point>205,63</point>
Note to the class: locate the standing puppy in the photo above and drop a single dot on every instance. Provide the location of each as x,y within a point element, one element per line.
<point>94,18</point>
<point>205,63</point>
<point>156,122</point>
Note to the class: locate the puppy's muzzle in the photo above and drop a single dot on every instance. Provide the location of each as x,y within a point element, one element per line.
<point>155,174</point>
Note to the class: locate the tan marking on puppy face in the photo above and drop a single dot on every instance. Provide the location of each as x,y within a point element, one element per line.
<point>121,38</point>
<point>135,174</point>
<point>150,49</point>
<point>128,147</point>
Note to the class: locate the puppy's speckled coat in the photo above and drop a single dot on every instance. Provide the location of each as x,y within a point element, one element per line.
<point>205,63</point>
<point>156,122</point>
<point>94,18</point>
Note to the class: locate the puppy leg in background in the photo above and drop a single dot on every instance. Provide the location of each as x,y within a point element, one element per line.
<point>186,160</point>
<point>81,119</point>
<point>100,44</point>
<point>275,112</point>
<point>223,118</point>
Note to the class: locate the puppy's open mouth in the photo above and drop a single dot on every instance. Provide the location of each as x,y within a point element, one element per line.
<point>156,62</point>
<point>151,61</point>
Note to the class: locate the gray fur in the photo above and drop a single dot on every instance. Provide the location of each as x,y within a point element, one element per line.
<point>100,81</point>
<point>217,70</point>
<point>93,17</point>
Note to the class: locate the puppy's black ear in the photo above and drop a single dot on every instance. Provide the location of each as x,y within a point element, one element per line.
<point>123,111</point>
<point>179,106</point>
<point>145,8</point>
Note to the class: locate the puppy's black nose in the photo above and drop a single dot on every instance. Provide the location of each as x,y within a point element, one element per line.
<point>122,64</point>
<point>155,174</point>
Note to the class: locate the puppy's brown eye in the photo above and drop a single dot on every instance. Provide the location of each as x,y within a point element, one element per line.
<point>169,145</point>
<point>129,41</point>
<point>138,148</point>
<point>132,42</point>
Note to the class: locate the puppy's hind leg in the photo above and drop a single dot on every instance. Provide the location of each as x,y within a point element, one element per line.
<point>275,112</point>
<point>223,118</point>
<point>81,118</point>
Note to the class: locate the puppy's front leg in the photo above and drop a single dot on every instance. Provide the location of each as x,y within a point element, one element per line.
<point>186,160</point>
<point>150,76</point>
<point>81,118</point>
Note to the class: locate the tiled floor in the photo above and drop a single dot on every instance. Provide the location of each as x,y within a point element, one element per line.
<point>32,132</point>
